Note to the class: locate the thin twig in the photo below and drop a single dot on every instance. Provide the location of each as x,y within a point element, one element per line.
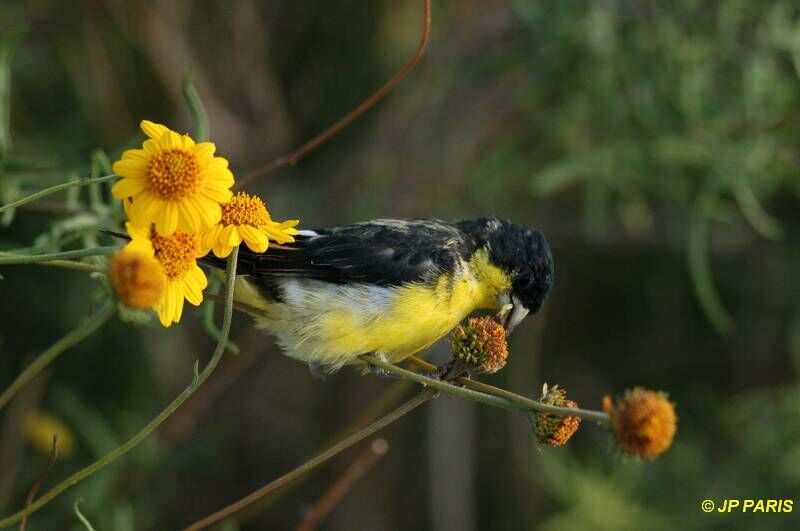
<point>45,358</point>
<point>479,386</point>
<point>76,266</point>
<point>482,392</point>
<point>315,461</point>
<point>508,400</point>
<point>56,188</point>
<point>80,516</point>
<point>50,463</point>
<point>377,407</point>
<point>153,424</point>
<point>16,259</point>
<point>360,465</point>
<point>292,158</point>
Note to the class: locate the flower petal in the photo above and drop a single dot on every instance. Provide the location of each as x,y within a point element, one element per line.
<point>145,208</point>
<point>152,129</point>
<point>166,219</point>
<point>217,194</point>
<point>128,187</point>
<point>221,250</point>
<point>256,240</point>
<point>204,151</point>
<point>230,236</point>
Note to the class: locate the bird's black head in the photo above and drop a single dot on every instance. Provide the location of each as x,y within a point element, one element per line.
<point>524,255</point>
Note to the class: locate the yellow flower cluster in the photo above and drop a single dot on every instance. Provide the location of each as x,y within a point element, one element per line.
<point>177,196</point>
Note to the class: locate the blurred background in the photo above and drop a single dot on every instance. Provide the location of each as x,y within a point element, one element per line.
<point>655,144</point>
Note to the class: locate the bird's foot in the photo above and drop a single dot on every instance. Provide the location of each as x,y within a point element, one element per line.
<point>451,370</point>
<point>381,372</point>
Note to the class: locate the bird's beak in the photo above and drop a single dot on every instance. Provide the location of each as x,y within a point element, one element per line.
<point>512,314</point>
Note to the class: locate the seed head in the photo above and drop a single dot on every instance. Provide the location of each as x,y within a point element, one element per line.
<point>644,421</point>
<point>551,429</point>
<point>481,344</point>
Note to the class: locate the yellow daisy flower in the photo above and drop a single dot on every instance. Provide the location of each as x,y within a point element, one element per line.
<point>245,219</point>
<point>177,255</point>
<point>172,182</point>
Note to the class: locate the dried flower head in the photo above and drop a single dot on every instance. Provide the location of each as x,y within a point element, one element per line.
<point>644,421</point>
<point>552,429</point>
<point>136,277</point>
<point>480,344</point>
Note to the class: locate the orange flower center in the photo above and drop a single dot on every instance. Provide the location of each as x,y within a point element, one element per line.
<point>244,209</point>
<point>174,174</point>
<point>176,253</point>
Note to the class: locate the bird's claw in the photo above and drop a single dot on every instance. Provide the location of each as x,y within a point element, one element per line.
<point>381,372</point>
<point>450,371</point>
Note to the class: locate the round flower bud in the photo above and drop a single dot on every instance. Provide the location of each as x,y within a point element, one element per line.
<point>480,344</point>
<point>551,429</point>
<point>137,278</point>
<point>644,421</point>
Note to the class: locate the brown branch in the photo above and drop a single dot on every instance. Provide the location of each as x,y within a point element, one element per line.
<point>314,462</point>
<point>360,466</point>
<point>292,158</point>
<point>52,461</point>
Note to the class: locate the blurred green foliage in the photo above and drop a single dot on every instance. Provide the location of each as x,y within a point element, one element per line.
<point>654,143</point>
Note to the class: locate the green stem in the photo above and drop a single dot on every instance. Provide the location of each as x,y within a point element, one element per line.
<point>156,422</point>
<point>57,188</point>
<point>315,461</point>
<point>45,358</point>
<point>208,315</point>
<point>13,259</point>
<point>518,403</point>
<point>77,266</point>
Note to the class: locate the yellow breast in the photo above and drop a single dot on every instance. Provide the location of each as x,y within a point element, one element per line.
<point>334,324</point>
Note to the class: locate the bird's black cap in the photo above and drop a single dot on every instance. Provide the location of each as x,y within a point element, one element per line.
<point>524,253</point>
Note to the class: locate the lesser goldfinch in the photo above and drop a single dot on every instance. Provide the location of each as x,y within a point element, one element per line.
<point>390,287</point>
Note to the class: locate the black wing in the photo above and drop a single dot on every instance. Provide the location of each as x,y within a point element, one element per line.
<point>380,252</point>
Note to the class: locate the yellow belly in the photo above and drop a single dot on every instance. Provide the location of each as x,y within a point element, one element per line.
<point>332,325</point>
<point>416,317</point>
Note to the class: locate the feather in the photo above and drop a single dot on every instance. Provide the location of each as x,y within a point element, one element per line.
<point>380,253</point>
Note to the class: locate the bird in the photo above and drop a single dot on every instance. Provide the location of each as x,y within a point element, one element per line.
<point>389,287</point>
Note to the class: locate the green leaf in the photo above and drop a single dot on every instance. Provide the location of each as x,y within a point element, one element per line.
<point>753,212</point>
<point>199,117</point>
<point>8,45</point>
<point>699,268</point>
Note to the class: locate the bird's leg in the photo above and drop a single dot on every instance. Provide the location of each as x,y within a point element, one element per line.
<point>451,370</point>
<point>380,372</point>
